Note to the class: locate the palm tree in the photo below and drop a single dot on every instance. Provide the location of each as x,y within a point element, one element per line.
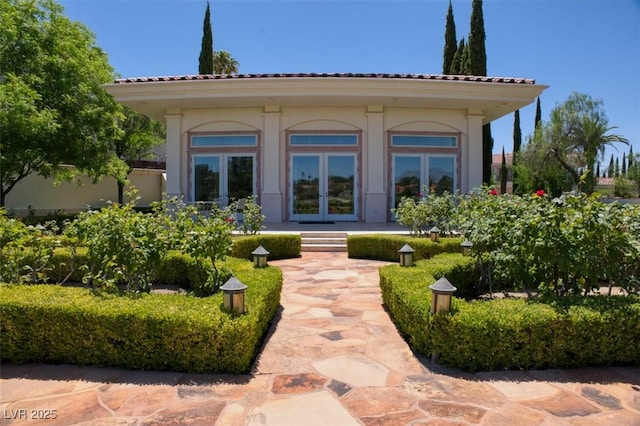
<point>581,128</point>
<point>223,63</point>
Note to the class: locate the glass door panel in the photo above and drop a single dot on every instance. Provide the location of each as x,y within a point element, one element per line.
<point>207,181</point>
<point>340,187</point>
<point>407,173</point>
<point>240,181</point>
<point>441,174</point>
<point>305,187</point>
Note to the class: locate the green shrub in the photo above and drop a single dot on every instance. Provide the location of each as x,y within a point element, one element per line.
<point>279,246</point>
<point>385,246</point>
<point>509,333</point>
<point>47,323</point>
<point>462,271</point>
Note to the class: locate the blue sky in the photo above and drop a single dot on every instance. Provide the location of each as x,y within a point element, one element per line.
<point>588,46</point>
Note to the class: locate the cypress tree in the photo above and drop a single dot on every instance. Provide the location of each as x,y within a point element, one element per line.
<point>630,159</point>
<point>450,45</point>
<point>538,114</point>
<point>503,174</point>
<point>624,164</point>
<point>206,51</point>
<point>616,171</point>
<point>610,170</point>
<point>464,61</point>
<point>478,55</point>
<point>456,63</point>
<point>517,143</point>
<point>597,172</point>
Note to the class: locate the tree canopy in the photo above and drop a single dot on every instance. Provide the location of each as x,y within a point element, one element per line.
<point>54,110</point>
<point>223,63</point>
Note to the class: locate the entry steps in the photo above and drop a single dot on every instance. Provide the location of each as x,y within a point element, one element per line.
<point>323,241</point>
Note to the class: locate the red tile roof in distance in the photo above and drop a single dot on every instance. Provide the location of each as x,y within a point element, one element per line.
<point>512,80</point>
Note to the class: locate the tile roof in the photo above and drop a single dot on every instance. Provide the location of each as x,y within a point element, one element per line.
<point>512,80</point>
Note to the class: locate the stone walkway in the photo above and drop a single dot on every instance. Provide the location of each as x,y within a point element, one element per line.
<point>333,358</point>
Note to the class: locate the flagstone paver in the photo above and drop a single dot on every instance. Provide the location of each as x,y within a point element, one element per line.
<point>333,357</point>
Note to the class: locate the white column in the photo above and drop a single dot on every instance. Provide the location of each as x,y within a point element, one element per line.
<point>173,119</point>
<point>373,155</point>
<point>271,196</point>
<point>474,153</point>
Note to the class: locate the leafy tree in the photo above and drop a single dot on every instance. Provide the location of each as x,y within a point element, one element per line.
<point>450,45</point>
<point>503,174</point>
<point>458,58</point>
<point>206,50</point>
<point>579,133</point>
<point>55,111</point>
<point>139,136</point>
<point>538,113</point>
<point>517,144</point>
<point>223,63</point>
<point>634,173</point>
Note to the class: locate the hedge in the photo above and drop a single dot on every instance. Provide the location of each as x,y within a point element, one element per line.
<point>56,324</point>
<point>279,246</point>
<point>386,246</point>
<point>511,333</point>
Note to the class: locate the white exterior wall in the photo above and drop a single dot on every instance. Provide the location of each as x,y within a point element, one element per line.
<point>372,122</point>
<point>43,196</point>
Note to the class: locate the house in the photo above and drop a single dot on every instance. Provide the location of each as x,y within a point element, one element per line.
<point>323,147</point>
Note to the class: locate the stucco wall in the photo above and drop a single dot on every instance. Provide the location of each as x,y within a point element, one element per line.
<point>43,196</point>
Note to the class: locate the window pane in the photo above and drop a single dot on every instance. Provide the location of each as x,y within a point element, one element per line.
<point>441,174</point>
<point>420,140</point>
<point>207,178</point>
<point>224,140</point>
<point>406,178</point>
<point>306,184</point>
<point>240,177</point>
<point>340,184</point>
<point>324,140</point>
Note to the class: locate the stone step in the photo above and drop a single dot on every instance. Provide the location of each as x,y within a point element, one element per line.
<point>323,241</point>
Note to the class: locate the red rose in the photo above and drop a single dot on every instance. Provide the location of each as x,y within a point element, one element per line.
<point>493,192</point>
<point>540,192</point>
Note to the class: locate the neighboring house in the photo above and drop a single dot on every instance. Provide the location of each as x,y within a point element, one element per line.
<point>323,147</point>
<point>496,170</point>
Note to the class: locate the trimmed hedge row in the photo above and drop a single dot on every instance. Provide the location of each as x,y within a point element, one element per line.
<point>510,333</point>
<point>386,246</point>
<point>279,246</point>
<point>54,324</point>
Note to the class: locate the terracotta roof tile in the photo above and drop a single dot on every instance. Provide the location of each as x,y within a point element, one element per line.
<point>511,80</point>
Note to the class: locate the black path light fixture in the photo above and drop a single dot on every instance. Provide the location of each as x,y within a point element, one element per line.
<point>441,293</point>
<point>233,295</point>
<point>406,255</point>
<point>434,233</point>
<point>466,247</point>
<point>260,257</point>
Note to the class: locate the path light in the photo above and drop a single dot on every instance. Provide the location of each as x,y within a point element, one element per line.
<point>406,255</point>
<point>260,257</point>
<point>466,247</point>
<point>441,292</point>
<point>435,234</point>
<point>233,295</point>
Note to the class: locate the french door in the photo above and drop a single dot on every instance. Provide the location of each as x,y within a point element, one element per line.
<point>222,178</point>
<point>415,174</point>
<point>323,187</point>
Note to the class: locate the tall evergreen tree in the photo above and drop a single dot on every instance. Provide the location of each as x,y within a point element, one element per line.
<point>630,159</point>
<point>610,170</point>
<point>450,41</point>
<point>478,55</point>
<point>478,67</point>
<point>206,51</point>
<point>624,164</point>
<point>598,172</point>
<point>538,114</point>
<point>503,174</point>
<point>616,170</point>
<point>456,63</point>
<point>517,143</point>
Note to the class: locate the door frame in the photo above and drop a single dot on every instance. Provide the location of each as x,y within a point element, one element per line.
<point>323,176</point>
